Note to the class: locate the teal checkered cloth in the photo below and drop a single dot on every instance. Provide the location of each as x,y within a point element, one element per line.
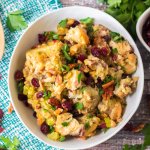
<point>32,10</point>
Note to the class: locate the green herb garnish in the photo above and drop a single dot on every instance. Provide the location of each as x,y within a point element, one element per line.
<point>89,116</point>
<point>80,75</point>
<point>62,138</point>
<point>83,89</point>
<point>53,107</point>
<point>127,12</point>
<point>87,20</point>
<point>52,35</point>
<point>114,51</point>
<point>65,68</point>
<point>116,36</point>
<point>87,125</point>
<point>79,106</point>
<point>63,23</point>
<point>65,50</point>
<point>107,79</point>
<point>51,129</point>
<point>100,91</point>
<point>20,86</point>
<point>46,94</point>
<point>15,21</point>
<point>8,144</point>
<point>65,124</point>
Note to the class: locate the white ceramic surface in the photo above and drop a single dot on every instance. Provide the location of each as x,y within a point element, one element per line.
<point>139,27</point>
<point>29,38</point>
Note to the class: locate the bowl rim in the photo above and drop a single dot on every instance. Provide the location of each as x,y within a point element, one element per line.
<point>125,121</point>
<point>139,22</point>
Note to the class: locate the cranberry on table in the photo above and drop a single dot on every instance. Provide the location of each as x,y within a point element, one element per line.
<point>95,51</point>
<point>1,114</point>
<point>81,57</point>
<point>22,97</point>
<point>67,105</point>
<point>39,94</point>
<point>35,82</point>
<point>55,102</point>
<point>18,75</point>
<point>44,128</point>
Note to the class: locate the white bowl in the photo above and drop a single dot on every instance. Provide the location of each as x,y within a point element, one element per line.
<point>29,38</point>
<point>139,27</point>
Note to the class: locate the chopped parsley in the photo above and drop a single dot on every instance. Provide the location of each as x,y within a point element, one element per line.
<point>63,23</point>
<point>52,35</point>
<point>65,68</point>
<point>107,79</point>
<point>15,21</point>
<point>51,129</point>
<point>20,86</point>
<point>65,50</point>
<point>80,77</point>
<point>89,116</point>
<point>116,36</point>
<point>53,107</point>
<point>100,91</point>
<point>46,94</point>
<point>79,106</point>
<point>87,125</point>
<point>62,138</point>
<point>114,51</point>
<point>65,124</point>
<point>87,21</point>
<point>83,89</point>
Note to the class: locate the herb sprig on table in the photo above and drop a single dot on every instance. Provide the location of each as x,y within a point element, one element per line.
<point>8,144</point>
<point>126,12</point>
<point>16,21</point>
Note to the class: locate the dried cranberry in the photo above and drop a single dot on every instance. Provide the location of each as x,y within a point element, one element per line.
<point>26,103</point>
<point>102,126</point>
<point>22,97</point>
<point>76,113</point>
<point>81,57</point>
<point>95,51</point>
<point>54,102</point>
<point>75,24</point>
<point>90,81</point>
<point>107,38</point>
<point>41,38</point>
<point>99,83</point>
<point>104,51</point>
<point>35,82</point>
<point>34,114</point>
<point>39,94</point>
<point>44,128</point>
<point>114,57</point>
<point>67,105</point>
<point>1,114</point>
<point>18,75</point>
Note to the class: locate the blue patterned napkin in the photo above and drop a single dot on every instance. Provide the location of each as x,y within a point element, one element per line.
<point>32,10</point>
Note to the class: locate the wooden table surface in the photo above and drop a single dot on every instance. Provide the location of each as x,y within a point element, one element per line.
<point>143,112</point>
